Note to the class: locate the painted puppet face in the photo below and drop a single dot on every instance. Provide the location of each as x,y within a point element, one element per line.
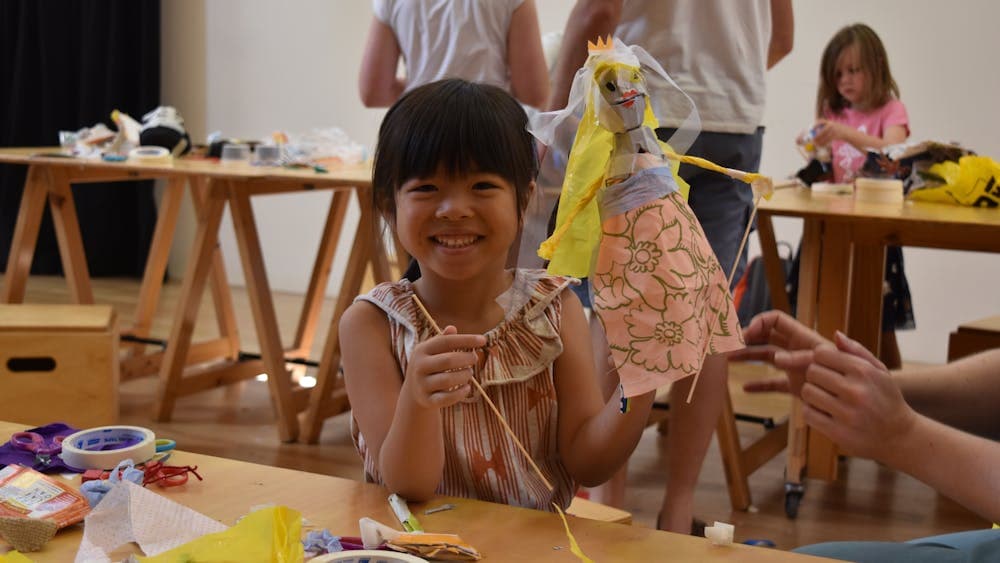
<point>622,104</point>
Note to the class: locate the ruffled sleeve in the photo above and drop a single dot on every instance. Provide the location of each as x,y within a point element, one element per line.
<point>528,342</point>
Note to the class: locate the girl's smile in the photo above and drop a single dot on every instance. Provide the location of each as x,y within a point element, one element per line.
<point>457,226</point>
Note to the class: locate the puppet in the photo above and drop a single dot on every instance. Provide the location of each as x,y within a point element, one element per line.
<point>624,222</point>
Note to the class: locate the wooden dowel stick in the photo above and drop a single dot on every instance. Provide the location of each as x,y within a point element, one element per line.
<point>493,407</point>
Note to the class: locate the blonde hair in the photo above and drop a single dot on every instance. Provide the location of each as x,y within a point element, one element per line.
<point>881,87</point>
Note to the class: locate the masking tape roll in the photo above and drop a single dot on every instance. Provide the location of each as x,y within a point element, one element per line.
<point>84,450</point>
<point>151,155</point>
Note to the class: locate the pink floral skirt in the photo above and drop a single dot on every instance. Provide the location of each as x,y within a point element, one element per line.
<point>661,295</point>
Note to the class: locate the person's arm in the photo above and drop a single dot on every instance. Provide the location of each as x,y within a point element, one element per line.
<point>377,82</point>
<point>858,404</point>
<point>595,438</point>
<point>782,31</point>
<point>588,20</point>
<point>963,393</point>
<point>829,131</point>
<point>529,79</point>
<point>399,418</point>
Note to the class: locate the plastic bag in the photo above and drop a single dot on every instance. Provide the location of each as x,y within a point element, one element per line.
<point>973,181</point>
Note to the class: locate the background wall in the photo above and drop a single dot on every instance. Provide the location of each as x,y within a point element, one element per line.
<point>249,67</point>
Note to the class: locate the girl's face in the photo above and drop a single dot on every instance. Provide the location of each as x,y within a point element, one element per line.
<point>457,228</point>
<point>852,79</point>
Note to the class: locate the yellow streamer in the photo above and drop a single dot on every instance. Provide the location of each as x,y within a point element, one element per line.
<point>573,546</point>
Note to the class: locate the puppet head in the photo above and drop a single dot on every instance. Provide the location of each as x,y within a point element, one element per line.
<point>622,104</point>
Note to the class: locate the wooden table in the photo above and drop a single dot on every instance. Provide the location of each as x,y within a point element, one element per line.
<point>212,186</point>
<point>499,532</point>
<point>842,270</point>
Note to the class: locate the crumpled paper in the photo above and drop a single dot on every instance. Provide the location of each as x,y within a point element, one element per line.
<point>130,513</point>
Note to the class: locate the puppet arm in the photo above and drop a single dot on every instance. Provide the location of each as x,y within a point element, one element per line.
<point>548,248</point>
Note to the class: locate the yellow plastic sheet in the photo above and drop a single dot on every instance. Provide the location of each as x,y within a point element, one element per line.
<point>973,181</point>
<point>13,557</point>
<point>267,535</point>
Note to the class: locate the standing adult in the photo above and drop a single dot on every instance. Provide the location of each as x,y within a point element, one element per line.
<point>494,42</point>
<point>718,52</point>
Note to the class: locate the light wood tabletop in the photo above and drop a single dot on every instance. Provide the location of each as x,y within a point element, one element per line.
<point>214,187</point>
<point>501,533</point>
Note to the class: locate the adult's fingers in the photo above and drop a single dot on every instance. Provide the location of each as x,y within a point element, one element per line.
<point>846,363</point>
<point>774,385</point>
<point>761,353</point>
<point>847,344</point>
<point>821,391</point>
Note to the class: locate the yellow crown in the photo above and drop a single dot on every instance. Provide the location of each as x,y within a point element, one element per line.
<point>601,45</point>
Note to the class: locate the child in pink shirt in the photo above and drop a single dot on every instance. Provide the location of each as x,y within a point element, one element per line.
<point>858,109</point>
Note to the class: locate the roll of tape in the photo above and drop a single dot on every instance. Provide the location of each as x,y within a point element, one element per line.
<point>151,155</point>
<point>88,449</point>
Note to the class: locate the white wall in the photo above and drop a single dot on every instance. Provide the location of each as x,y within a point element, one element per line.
<point>249,67</point>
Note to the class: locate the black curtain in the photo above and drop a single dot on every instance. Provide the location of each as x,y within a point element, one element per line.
<point>66,64</point>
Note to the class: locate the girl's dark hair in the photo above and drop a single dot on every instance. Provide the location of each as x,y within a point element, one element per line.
<point>459,127</point>
<point>881,86</point>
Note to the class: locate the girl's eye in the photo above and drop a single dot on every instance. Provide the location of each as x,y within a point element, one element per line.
<point>610,86</point>
<point>423,188</point>
<point>484,186</point>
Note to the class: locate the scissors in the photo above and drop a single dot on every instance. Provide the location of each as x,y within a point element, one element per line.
<point>36,444</point>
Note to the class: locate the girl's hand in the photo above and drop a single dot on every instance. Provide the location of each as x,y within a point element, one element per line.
<point>850,396</point>
<point>829,131</point>
<point>440,368</point>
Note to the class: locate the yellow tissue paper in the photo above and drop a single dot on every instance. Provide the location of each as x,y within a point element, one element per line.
<point>13,557</point>
<point>973,181</point>
<point>267,535</point>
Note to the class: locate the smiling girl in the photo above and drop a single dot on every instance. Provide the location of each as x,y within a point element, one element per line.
<point>453,172</point>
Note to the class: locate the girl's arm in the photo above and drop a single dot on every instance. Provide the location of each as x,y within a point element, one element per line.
<point>377,82</point>
<point>595,439</point>
<point>833,131</point>
<point>399,418</point>
<point>529,79</point>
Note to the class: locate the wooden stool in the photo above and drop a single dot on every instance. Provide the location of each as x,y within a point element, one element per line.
<point>974,337</point>
<point>584,508</point>
<point>59,363</point>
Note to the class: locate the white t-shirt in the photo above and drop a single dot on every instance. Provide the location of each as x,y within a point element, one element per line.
<point>716,51</point>
<point>451,38</point>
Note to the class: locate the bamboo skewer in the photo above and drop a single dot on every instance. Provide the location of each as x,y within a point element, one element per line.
<point>493,407</point>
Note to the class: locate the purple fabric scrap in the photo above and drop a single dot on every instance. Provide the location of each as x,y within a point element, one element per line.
<point>9,455</point>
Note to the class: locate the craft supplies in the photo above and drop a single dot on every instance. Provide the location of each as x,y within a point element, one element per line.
<point>234,154</point>
<point>14,455</point>
<point>402,512</point>
<point>107,446</point>
<point>95,489</point>
<point>831,188</point>
<point>267,155</point>
<point>366,556</point>
<point>35,443</point>
<point>442,508</point>
<point>151,155</point>
<point>720,533</point>
<point>30,495</point>
<point>874,190</point>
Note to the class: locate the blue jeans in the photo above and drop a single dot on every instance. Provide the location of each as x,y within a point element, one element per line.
<point>978,546</point>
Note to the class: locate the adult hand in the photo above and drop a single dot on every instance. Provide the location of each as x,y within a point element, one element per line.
<point>440,368</point>
<point>778,339</point>
<point>850,396</point>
